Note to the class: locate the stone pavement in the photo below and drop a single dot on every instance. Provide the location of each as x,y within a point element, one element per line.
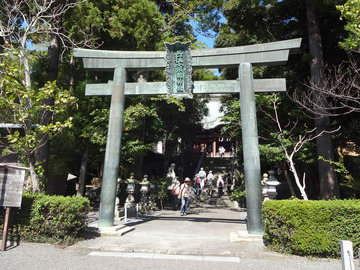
<point>212,231</point>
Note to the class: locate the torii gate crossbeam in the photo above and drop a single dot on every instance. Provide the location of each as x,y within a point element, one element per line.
<point>244,57</point>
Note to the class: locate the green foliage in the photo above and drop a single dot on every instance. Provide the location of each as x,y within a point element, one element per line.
<point>119,24</point>
<point>311,228</point>
<point>238,195</point>
<point>25,106</point>
<point>132,25</point>
<point>238,13</point>
<point>272,153</point>
<point>84,22</point>
<point>231,108</point>
<point>350,12</point>
<point>136,21</point>
<point>44,218</point>
<point>289,119</point>
<point>349,183</point>
<point>161,191</point>
<point>184,17</point>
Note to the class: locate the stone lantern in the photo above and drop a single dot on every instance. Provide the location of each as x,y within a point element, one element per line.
<point>144,185</point>
<point>269,184</point>
<point>131,182</point>
<point>152,185</point>
<point>117,200</point>
<point>145,204</point>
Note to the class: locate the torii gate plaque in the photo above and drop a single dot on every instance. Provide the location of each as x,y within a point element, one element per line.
<point>243,57</point>
<point>178,69</point>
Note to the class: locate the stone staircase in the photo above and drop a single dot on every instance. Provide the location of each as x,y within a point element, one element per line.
<point>218,165</point>
<point>204,200</point>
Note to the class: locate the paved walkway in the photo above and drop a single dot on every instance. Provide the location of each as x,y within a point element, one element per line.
<point>210,232</point>
<point>204,239</point>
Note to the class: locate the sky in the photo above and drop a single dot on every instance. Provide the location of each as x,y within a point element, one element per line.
<point>208,41</point>
<point>210,44</point>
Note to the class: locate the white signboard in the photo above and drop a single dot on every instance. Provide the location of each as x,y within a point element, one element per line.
<point>11,186</point>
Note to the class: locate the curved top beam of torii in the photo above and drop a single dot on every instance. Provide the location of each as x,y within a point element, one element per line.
<point>273,53</point>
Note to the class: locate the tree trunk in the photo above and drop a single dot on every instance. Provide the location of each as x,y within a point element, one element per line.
<point>35,181</point>
<point>327,177</point>
<point>27,83</point>
<point>297,180</point>
<point>288,180</point>
<point>42,153</point>
<point>82,176</point>
<point>166,160</point>
<point>101,172</point>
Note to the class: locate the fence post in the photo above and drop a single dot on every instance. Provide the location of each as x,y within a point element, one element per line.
<point>347,256</point>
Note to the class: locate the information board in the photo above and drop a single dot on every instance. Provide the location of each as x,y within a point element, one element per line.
<point>11,186</point>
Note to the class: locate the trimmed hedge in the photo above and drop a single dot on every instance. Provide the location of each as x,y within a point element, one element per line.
<point>311,228</point>
<point>43,218</point>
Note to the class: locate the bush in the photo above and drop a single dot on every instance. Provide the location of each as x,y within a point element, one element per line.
<point>238,195</point>
<point>311,228</point>
<point>161,191</point>
<point>43,218</point>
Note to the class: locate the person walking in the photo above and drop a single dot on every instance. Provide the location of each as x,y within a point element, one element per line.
<point>209,183</point>
<point>192,195</point>
<point>202,176</point>
<point>220,186</point>
<point>221,151</point>
<point>228,184</point>
<point>209,150</point>
<point>197,184</point>
<point>175,192</point>
<point>184,195</point>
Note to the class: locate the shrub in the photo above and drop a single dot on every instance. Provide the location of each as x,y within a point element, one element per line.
<point>311,228</point>
<point>43,218</point>
<point>161,191</point>
<point>238,195</point>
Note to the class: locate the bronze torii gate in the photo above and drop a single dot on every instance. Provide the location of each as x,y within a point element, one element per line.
<point>243,57</point>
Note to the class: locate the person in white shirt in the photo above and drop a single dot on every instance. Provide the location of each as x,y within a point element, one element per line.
<point>220,186</point>
<point>184,195</point>
<point>202,176</point>
<point>221,151</point>
<point>209,183</point>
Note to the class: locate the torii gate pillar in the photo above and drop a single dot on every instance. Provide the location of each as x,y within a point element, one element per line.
<point>252,170</point>
<point>112,153</point>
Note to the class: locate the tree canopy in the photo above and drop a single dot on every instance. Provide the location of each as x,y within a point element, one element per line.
<point>146,25</point>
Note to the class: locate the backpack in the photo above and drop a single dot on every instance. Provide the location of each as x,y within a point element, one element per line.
<point>209,179</point>
<point>202,174</point>
<point>220,184</point>
<point>176,190</point>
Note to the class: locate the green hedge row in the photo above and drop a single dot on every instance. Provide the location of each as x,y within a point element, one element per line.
<point>311,228</point>
<point>43,218</point>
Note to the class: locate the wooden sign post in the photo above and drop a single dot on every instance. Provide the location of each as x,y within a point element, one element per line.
<point>11,187</point>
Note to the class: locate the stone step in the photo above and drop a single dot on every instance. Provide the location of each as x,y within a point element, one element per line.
<point>124,229</point>
<point>217,165</point>
<point>244,236</point>
<point>116,230</point>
